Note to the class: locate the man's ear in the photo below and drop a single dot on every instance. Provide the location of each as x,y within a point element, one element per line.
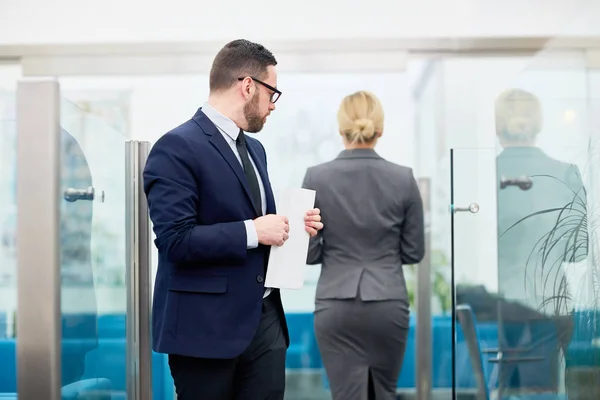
<point>247,88</point>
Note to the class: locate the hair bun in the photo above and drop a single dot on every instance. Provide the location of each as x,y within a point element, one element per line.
<point>519,126</point>
<point>364,129</point>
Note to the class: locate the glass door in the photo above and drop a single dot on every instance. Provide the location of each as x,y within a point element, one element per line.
<point>523,238</point>
<point>474,265</point>
<point>547,245</point>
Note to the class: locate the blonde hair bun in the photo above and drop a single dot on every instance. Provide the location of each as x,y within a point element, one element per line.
<point>360,117</point>
<point>363,129</point>
<point>520,126</point>
<point>518,116</point>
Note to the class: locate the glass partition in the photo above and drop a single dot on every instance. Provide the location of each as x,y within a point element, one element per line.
<point>524,243</point>
<point>547,223</point>
<point>473,221</point>
<point>92,240</point>
<point>8,272</point>
<point>300,133</point>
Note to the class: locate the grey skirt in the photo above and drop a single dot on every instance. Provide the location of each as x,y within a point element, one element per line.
<point>362,346</point>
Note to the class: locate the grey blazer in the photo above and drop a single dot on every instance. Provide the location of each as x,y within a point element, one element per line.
<point>373,217</point>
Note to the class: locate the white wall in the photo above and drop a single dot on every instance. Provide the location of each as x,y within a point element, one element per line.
<point>81,21</point>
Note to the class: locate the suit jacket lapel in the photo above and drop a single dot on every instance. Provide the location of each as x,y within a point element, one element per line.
<point>217,140</point>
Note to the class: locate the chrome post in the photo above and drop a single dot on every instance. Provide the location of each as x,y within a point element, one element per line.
<point>139,352</point>
<point>38,240</point>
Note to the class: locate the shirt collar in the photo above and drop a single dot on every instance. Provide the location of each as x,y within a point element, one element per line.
<point>225,124</point>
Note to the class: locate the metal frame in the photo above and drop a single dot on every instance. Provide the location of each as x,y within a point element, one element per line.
<point>38,245</point>
<point>423,331</point>
<point>342,55</point>
<point>139,280</point>
<point>593,59</point>
<point>411,45</point>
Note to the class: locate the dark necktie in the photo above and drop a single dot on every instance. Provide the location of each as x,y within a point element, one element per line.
<point>240,143</point>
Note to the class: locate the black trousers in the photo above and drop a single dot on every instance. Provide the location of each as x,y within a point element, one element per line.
<point>257,374</point>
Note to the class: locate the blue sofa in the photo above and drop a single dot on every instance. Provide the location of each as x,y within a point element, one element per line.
<point>107,360</point>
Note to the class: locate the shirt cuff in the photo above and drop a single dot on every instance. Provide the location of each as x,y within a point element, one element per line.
<point>251,235</point>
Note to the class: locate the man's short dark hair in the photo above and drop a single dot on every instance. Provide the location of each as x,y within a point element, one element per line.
<point>239,59</point>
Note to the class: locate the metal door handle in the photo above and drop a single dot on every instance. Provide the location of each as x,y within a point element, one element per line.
<point>473,208</point>
<point>523,182</point>
<point>72,195</point>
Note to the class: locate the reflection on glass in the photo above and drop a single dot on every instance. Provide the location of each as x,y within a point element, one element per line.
<point>527,317</point>
<point>543,244</point>
<point>540,204</point>
<point>92,252</point>
<point>525,266</point>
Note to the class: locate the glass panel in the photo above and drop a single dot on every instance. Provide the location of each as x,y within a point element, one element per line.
<point>431,167</point>
<point>526,263</point>
<point>8,262</point>
<point>93,252</point>
<point>473,196</point>
<point>546,232</point>
<point>138,108</point>
<point>583,359</point>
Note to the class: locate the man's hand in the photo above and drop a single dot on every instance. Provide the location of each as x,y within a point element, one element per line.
<point>312,221</point>
<point>272,229</point>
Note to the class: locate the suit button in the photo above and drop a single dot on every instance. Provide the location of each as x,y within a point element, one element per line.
<point>259,278</point>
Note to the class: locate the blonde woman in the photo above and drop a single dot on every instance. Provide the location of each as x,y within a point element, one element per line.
<point>373,215</point>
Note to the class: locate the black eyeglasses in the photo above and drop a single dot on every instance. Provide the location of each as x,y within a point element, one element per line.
<point>276,93</point>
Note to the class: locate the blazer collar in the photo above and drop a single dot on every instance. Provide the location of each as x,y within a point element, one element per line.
<point>522,152</point>
<point>359,153</point>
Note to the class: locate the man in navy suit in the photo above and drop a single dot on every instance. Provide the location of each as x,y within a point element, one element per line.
<point>214,216</point>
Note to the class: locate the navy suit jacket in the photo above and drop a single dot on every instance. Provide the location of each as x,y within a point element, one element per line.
<point>209,288</point>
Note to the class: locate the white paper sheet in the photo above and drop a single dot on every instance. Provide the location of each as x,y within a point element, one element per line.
<point>287,264</point>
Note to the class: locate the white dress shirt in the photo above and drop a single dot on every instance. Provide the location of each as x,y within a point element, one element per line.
<point>230,132</point>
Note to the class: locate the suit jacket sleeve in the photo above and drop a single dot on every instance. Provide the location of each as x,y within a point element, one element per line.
<point>412,238</point>
<point>173,198</point>
<point>315,246</point>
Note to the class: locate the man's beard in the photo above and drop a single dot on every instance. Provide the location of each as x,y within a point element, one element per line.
<point>253,117</point>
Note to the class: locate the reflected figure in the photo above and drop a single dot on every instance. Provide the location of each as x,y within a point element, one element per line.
<point>373,216</point>
<point>79,329</point>
<point>541,213</point>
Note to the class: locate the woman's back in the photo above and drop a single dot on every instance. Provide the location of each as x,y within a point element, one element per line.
<point>374,223</point>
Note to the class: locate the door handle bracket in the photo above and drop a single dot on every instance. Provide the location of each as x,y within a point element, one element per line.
<point>473,208</point>
<point>72,195</point>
